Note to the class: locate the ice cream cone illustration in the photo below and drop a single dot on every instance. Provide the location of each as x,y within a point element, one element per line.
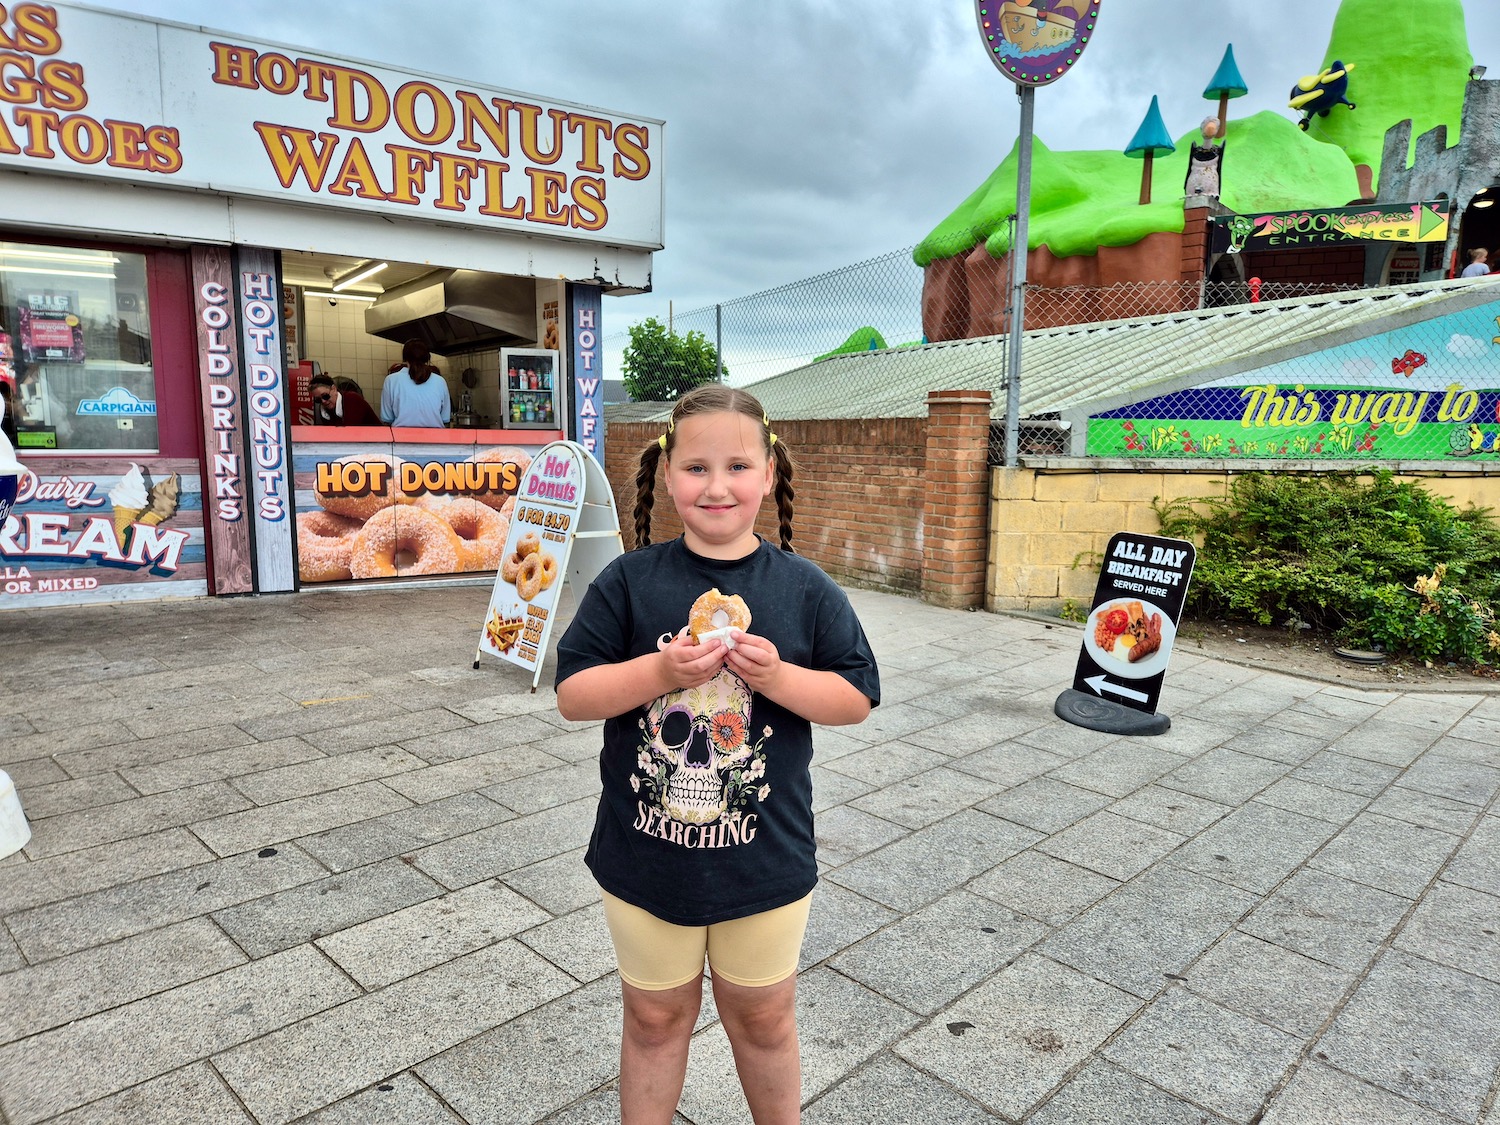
<point>162,504</point>
<point>130,500</point>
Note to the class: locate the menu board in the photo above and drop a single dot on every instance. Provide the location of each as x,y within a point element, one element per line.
<point>564,526</point>
<point>1127,639</point>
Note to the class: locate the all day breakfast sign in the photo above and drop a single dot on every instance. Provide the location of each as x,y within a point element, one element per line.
<point>98,93</point>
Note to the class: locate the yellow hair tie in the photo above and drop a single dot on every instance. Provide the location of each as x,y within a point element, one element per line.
<point>773,439</point>
<point>662,441</point>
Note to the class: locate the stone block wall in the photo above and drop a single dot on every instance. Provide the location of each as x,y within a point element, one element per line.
<point>1049,526</point>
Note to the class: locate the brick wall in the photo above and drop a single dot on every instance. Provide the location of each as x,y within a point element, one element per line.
<point>897,504</point>
<point>1049,527</point>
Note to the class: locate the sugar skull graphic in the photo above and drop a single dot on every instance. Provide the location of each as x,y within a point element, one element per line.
<point>698,762</point>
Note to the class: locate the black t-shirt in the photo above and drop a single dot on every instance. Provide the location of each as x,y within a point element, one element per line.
<point>706,813</point>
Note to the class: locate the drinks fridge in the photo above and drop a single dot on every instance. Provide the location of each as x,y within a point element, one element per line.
<point>530,397</point>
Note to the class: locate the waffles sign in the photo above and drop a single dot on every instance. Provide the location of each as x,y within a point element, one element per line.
<point>1037,42</point>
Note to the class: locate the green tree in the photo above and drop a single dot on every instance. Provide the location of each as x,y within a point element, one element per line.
<point>660,365</point>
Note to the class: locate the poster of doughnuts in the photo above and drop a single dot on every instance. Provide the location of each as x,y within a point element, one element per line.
<point>1127,639</point>
<point>535,556</point>
<point>404,511</point>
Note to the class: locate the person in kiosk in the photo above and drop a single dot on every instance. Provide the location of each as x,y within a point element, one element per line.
<point>703,842</point>
<point>415,394</point>
<point>337,406</point>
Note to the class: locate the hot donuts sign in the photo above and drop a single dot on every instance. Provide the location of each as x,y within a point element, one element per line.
<point>106,94</point>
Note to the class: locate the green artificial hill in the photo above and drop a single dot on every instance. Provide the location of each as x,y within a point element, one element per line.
<point>1083,200</point>
<point>860,340</point>
<point>1417,72</point>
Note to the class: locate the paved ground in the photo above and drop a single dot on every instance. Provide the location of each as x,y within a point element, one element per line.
<point>295,860</point>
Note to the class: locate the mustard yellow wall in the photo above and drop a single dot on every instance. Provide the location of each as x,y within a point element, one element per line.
<point>1048,527</point>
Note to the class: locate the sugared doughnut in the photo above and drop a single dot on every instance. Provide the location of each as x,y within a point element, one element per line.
<point>502,453</point>
<point>324,543</point>
<point>364,506</point>
<point>480,529</point>
<point>528,544</point>
<point>529,577</point>
<point>714,614</point>
<point>549,569</point>
<point>510,566</point>
<point>404,540</point>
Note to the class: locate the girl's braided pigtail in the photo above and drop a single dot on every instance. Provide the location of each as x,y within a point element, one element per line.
<point>645,493</point>
<point>785,494</point>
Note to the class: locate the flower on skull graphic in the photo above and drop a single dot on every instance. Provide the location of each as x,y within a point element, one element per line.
<point>698,763</point>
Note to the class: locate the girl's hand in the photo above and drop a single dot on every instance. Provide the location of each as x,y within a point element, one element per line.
<point>755,660</point>
<point>689,665</point>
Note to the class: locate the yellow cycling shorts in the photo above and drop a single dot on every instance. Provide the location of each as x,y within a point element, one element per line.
<point>755,951</point>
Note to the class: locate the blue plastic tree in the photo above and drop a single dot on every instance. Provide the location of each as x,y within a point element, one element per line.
<point>1225,84</point>
<point>1150,141</point>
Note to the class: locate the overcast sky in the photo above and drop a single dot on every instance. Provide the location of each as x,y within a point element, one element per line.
<point>805,135</point>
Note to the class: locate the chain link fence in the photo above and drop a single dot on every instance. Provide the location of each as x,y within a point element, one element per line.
<point>1436,395</point>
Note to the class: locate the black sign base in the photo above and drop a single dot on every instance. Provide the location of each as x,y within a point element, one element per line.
<point>1084,710</point>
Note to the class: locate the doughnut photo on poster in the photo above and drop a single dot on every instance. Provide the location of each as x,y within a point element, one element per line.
<point>1129,637</point>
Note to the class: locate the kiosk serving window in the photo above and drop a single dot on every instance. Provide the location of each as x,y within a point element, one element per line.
<point>75,348</point>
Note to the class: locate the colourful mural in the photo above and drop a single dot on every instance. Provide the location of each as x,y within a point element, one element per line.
<point>1428,392</point>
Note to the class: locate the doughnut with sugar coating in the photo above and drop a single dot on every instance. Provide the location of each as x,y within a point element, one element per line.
<point>549,569</point>
<point>481,530</point>
<point>529,577</point>
<point>404,540</point>
<point>704,618</point>
<point>324,544</point>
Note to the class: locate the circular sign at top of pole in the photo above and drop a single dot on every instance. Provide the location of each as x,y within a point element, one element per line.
<point>1035,42</point>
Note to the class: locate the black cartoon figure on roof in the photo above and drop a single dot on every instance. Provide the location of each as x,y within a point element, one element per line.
<point>1319,93</point>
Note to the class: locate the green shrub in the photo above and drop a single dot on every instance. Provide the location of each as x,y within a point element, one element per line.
<point>1371,560</point>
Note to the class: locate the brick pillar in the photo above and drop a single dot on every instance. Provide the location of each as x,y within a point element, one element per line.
<point>955,506</point>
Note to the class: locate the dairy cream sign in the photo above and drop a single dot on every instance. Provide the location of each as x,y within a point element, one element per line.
<point>97,93</point>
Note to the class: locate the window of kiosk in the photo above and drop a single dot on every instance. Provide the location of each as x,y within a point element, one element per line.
<point>75,348</point>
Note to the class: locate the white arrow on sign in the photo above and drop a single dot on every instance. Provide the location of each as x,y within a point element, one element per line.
<point>1101,685</point>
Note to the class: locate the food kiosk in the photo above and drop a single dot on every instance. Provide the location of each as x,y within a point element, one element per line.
<point>207,221</point>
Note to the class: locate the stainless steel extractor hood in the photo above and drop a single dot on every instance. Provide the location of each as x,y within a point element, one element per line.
<point>454,310</point>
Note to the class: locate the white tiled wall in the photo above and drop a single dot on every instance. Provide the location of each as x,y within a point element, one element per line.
<point>335,337</point>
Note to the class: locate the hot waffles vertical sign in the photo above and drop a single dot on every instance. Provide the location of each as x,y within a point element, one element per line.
<point>98,93</point>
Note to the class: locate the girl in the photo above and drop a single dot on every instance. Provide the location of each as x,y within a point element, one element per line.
<point>703,844</point>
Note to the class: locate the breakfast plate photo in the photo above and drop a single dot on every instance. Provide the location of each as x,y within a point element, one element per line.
<point>1129,637</point>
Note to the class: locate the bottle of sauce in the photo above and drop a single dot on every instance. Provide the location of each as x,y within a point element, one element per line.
<point>512,374</point>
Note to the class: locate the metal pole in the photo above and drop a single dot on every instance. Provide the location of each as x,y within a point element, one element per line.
<point>1018,250</point>
<point>719,343</point>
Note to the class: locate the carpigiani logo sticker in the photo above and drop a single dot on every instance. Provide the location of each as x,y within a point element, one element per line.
<point>698,768</point>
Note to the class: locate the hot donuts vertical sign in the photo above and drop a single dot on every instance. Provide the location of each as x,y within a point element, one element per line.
<point>523,602</point>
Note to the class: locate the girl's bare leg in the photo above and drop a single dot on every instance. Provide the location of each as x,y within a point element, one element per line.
<point>654,1050</point>
<point>762,1027</point>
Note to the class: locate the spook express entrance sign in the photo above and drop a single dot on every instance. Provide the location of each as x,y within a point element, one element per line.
<point>162,104</point>
<point>1127,639</point>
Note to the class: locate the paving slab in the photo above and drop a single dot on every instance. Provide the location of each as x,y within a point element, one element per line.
<point>1154,926</point>
<point>302,816</point>
<point>1102,1093</point>
<point>1426,1032</point>
<point>959,940</point>
<point>1197,1049</point>
<point>325,906</point>
<point>1011,1041</point>
<point>1319,1094</point>
<point>402,1100</point>
<point>889,1089</point>
<point>1392,855</point>
<point>1331,919</point>
<point>1458,927</point>
<point>322,1059</point>
<point>1043,887</point>
<point>64,1068</point>
<point>1269,983</point>
<point>194,1095</point>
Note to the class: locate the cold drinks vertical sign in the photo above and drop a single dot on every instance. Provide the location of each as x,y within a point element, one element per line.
<point>1127,639</point>
<point>224,495</point>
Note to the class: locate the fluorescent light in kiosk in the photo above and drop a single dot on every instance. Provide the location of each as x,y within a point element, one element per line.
<point>358,275</point>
